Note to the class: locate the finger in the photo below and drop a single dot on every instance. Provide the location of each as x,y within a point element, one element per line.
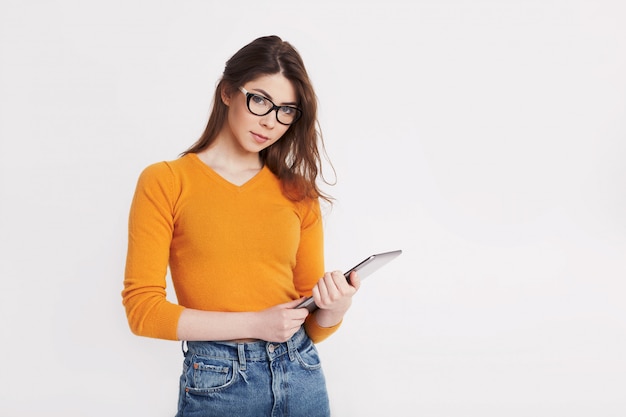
<point>339,280</point>
<point>325,285</point>
<point>329,289</point>
<point>341,286</point>
<point>320,292</point>
<point>300,314</point>
<point>355,280</point>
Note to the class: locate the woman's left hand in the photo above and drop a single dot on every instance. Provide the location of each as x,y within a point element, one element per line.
<point>333,295</point>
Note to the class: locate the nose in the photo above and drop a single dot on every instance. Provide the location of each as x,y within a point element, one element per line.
<point>269,120</point>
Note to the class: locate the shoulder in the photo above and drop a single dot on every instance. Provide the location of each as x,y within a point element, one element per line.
<point>166,170</point>
<point>163,176</point>
<point>156,173</point>
<point>157,169</point>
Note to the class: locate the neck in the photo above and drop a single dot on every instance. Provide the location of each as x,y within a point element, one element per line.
<point>223,154</point>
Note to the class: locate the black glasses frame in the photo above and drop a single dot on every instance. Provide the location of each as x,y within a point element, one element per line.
<point>274,107</point>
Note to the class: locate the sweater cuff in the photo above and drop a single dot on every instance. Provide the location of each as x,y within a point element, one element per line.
<point>316,332</point>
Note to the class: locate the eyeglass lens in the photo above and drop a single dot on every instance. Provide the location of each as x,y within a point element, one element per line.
<point>261,106</point>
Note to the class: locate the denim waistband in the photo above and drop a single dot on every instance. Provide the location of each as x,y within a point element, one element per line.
<point>260,351</point>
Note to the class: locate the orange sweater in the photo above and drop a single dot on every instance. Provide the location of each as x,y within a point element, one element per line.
<point>228,247</point>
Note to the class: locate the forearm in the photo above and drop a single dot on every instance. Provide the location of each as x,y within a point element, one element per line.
<point>274,324</point>
<point>194,325</point>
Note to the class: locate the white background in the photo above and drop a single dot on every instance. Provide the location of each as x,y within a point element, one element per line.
<point>485,138</point>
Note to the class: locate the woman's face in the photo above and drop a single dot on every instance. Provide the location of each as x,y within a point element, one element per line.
<point>251,132</point>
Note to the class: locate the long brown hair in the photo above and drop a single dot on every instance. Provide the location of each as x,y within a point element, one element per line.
<point>295,158</point>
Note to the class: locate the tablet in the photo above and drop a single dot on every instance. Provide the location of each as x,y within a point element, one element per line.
<point>365,268</point>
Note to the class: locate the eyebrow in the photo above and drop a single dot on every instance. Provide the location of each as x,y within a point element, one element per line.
<point>266,94</point>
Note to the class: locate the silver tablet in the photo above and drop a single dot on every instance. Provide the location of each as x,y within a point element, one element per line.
<point>365,268</point>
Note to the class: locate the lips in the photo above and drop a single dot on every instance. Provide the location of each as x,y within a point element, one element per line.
<point>259,138</point>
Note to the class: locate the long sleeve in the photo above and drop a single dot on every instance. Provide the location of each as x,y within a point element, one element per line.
<point>310,265</point>
<point>149,237</point>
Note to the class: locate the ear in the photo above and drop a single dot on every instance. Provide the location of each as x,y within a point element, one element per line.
<point>225,95</point>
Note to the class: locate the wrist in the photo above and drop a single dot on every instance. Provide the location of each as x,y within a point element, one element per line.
<point>251,324</point>
<point>328,318</point>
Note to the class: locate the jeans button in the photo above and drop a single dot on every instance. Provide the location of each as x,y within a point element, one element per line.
<point>271,348</point>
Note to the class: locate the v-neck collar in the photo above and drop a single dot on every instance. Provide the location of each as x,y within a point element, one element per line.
<point>217,177</point>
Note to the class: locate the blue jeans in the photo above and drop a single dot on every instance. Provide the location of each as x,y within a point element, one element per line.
<point>253,379</point>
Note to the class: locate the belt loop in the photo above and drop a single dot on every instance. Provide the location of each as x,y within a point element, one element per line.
<point>242,356</point>
<point>291,348</point>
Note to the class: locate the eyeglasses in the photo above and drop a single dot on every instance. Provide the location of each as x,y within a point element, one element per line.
<point>260,106</point>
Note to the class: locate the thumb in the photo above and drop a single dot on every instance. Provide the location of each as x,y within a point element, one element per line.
<point>355,281</point>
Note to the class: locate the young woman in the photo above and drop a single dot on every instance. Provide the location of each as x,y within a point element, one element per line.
<point>237,219</point>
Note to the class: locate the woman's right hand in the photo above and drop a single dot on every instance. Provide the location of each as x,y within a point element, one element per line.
<point>279,323</point>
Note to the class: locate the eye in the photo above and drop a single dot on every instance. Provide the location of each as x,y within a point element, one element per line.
<point>289,111</point>
<point>259,100</point>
